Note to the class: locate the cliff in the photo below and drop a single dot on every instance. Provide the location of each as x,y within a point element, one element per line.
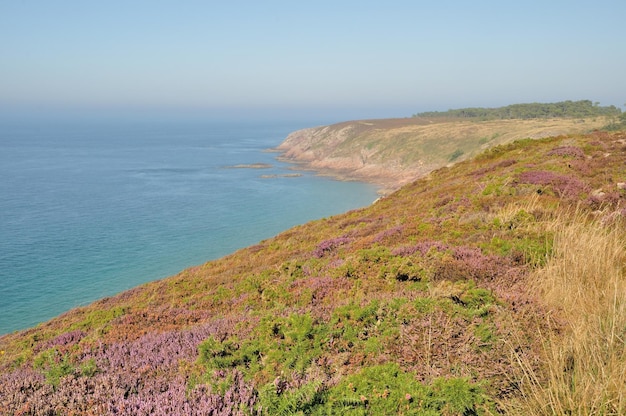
<point>394,152</point>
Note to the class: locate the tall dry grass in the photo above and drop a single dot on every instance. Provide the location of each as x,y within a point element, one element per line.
<point>584,284</point>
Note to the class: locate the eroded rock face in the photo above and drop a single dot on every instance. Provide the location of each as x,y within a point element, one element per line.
<point>353,151</point>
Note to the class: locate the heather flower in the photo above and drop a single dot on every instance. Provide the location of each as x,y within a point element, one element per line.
<point>132,378</point>
<point>470,262</point>
<point>503,164</point>
<point>388,233</point>
<point>572,151</point>
<point>538,177</point>
<point>564,185</point>
<point>422,247</point>
<point>327,246</point>
<point>66,339</point>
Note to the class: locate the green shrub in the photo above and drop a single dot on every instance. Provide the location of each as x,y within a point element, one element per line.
<point>404,269</point>
<point>228,353</point>
<point>302,400</point>
<point>278,345</point>
<point>388,390</point>
<point>425,305</point>
<point>476,298</point>
<point>99,319</point>
<point>376,254</point>
<point>53,365</point>
<point>89,368</point>
<point>484,332</point>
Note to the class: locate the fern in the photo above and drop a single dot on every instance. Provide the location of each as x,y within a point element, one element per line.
<point>300,400</point>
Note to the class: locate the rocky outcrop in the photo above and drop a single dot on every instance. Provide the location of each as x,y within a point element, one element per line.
<point>353,151</point>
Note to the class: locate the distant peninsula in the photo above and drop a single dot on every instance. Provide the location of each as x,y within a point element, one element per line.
<point>394,152</point>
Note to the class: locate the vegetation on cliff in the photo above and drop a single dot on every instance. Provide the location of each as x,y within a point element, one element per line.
<point>492,286</point>
<point>570,109</point>
<point>394,152</point>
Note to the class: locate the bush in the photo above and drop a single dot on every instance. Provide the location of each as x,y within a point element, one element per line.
<point>277,346</point>
<point>388,390</point>
<point>53,365</point>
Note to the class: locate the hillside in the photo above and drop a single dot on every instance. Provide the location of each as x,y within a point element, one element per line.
<point>492,286</point>
<point>394,152</point>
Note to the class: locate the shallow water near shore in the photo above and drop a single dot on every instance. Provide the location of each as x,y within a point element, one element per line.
<point>94,208</point>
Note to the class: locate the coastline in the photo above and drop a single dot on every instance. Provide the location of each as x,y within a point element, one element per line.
<point>385,182</point>
<point>390,153</point>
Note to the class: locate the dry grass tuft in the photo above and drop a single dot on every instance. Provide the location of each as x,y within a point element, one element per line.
<point>584,372</point>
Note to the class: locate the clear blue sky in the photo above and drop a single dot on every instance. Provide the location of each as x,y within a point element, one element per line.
<point>336,59</point>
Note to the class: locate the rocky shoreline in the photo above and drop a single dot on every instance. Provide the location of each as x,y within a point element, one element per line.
<point>315,149</point>
<point>383,180</point>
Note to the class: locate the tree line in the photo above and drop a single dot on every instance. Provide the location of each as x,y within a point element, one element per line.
<point>569,109</point>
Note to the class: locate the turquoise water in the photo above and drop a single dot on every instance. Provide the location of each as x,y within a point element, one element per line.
<point>88,210</point>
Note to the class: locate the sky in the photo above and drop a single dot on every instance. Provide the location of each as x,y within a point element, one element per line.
<point>334,59</point>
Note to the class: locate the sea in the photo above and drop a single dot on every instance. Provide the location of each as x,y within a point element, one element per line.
<point>92,208</point>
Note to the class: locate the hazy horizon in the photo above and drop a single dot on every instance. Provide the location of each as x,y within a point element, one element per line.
<point>323,60</point>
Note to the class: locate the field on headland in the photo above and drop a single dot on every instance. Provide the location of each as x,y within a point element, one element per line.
<point>494,285</point>
<point>393,152</point>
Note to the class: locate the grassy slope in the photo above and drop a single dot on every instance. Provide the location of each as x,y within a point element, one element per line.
<point>438,298</point>
<point>393,152</point>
